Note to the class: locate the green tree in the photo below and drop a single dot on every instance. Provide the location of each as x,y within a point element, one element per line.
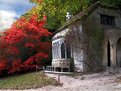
<point>56,10</point>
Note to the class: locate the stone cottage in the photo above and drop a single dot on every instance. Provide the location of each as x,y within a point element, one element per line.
<point>89,41</point>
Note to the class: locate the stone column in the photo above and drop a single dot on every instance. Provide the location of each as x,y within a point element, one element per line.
<point>105,59</point>
<point>53,50</point>
<point>61,69</point>
<point>54,69</point>
<point>113,55</point>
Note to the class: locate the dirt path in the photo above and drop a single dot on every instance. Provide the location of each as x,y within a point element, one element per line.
<point>92,82</point>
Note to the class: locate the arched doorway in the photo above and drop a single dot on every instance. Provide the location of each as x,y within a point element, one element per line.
<point>63,51</point>
<point>118,53</point>
<point>108,55</point>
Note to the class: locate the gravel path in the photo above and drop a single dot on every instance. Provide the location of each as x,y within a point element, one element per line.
<point>93,82</point>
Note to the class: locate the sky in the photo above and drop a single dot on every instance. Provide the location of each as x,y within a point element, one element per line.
<point>10,10</point>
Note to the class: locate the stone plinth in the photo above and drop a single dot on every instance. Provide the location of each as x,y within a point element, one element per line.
<point>62,63</point>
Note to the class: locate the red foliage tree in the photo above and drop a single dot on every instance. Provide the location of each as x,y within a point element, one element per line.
<point>3,65</point>
<point>16,66</point>
<point>25,45</point>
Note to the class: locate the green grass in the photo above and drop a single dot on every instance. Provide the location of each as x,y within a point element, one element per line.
<point>26,81</point>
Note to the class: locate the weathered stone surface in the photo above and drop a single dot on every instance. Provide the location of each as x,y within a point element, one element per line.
<point>93,46</point>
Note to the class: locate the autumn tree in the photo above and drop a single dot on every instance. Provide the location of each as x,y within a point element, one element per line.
<point>25,45</point>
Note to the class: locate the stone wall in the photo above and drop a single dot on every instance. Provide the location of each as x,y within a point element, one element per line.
<point>96,37</point>
<point>88,41</point>
<point>74,39</point>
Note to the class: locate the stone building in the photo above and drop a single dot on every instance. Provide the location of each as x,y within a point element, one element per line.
<point>89,41</point>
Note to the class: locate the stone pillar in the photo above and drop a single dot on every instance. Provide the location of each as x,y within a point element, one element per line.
<point>104,59</point>
<point>53,50</point>
<point>113,55</point>
<point>61,69</point>
<point>54,69</point>
<point>69,69</point>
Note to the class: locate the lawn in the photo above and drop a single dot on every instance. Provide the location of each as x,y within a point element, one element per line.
<point>26,81</point>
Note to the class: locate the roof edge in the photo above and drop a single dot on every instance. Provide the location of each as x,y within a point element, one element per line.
<point>83,15</point>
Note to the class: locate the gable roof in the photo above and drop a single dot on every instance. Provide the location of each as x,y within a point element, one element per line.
<point>84,14</point>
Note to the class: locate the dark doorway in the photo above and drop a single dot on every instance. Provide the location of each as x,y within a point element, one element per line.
<point>108,55</point>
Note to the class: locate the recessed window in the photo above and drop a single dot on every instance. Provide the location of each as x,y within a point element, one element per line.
<point>107,20</point>
<point>63,52</point>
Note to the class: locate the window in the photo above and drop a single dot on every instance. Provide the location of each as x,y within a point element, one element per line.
<point>107,20</point>
<point>63,52</point>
